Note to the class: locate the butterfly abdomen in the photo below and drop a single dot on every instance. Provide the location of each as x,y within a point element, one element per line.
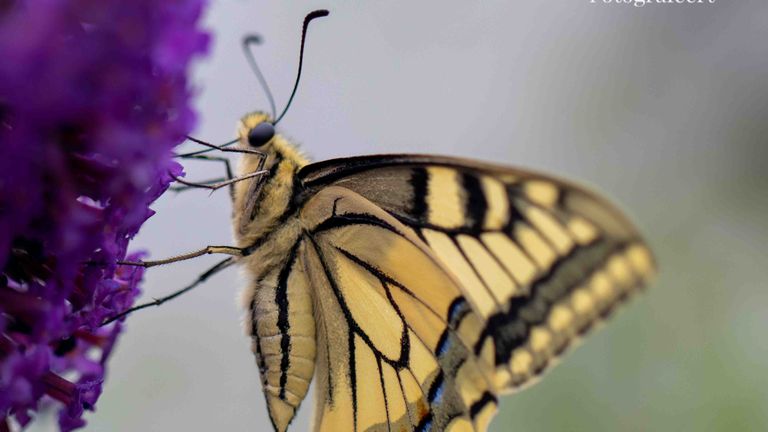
<point>282,328</point>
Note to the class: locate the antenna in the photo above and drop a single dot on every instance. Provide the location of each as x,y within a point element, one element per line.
<point>254,39</point>
<point>310,16</point>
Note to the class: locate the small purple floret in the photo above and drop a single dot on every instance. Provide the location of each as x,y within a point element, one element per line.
<point>94,96</point>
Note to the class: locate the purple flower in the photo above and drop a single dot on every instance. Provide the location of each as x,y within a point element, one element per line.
<point>93,98</point>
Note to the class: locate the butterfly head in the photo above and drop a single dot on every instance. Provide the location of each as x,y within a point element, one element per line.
<point>256,130</point>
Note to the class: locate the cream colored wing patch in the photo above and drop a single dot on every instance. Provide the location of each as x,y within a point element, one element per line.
<point>395,333</point>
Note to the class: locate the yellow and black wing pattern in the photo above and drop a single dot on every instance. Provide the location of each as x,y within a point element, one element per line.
<point>441,283</point>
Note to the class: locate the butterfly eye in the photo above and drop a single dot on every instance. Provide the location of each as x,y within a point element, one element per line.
<point>261,134</point>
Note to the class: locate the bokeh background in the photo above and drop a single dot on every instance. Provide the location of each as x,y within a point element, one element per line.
<point>663,108</point>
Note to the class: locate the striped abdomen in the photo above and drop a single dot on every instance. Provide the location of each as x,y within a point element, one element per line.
<point>283,332</point>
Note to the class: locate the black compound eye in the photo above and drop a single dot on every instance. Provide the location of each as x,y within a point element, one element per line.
<point>261,134</point>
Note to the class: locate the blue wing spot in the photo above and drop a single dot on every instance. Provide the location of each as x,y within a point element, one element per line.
<point>455,309</point>
<point>443,344</point>
<point>436,389</point>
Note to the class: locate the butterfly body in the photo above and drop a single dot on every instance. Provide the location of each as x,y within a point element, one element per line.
<point>281,320</point>
<point>415,289</point>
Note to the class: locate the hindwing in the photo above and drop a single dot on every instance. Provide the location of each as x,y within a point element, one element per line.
<point>395,331</point>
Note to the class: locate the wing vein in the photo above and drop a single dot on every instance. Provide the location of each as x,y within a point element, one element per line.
<point>476,272</point>
<point>384,393</point>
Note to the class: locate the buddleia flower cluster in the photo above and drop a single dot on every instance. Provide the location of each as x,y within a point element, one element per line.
<point>94,95</point>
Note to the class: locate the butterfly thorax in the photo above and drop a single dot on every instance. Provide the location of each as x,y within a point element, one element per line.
<point>264,205</point>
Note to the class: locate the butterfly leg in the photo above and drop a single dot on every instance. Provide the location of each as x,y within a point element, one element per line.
<point>227,167</point>
<point>221,265</point>
<point>208,250</point>
<point>252,196</point>
<point>221,184</point>
<point>213,147</point>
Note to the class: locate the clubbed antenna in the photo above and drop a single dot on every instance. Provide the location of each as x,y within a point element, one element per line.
<point>312,15</point>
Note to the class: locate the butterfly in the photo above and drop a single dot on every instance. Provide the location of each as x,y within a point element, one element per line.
<point>417,289</point>
<point>413,289</point>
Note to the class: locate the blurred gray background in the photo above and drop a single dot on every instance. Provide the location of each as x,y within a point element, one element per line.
<point>662,108</point>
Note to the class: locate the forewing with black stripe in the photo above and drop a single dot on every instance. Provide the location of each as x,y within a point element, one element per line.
<point>539,260</point>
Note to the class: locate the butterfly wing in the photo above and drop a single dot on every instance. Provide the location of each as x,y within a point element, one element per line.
<point>540,260</point>
<point>394,328</point>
